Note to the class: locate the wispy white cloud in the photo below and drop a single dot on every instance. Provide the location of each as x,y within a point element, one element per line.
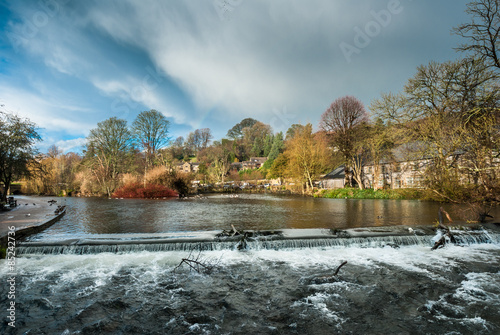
<point>248,65</point>
<point>76,144</point>
<point>256,58</point>
<point>45,113</point>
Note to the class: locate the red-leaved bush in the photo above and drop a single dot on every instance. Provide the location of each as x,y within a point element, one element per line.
<point>137,190</point>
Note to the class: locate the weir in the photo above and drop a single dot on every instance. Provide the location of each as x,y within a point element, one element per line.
<point>261,240</point>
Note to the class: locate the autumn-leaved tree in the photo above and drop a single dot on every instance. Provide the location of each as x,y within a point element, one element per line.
<point>279,167</point>
<point>290,133</point>
<point>308,156</point>
<point>254,138</point>
<point>217,158</point>
<point>54,174</point>
<point>379,142</point>
<point>236,132</point>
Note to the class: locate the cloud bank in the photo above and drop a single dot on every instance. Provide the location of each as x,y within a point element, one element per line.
<point>70,64</point>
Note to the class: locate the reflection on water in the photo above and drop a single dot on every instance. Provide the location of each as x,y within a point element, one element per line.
<point>88,216</point>
<point>413,289</point>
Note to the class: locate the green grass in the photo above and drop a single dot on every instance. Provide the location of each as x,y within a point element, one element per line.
<point>354,193</point>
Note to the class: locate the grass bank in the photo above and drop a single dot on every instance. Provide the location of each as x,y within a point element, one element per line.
<point>396,194</point>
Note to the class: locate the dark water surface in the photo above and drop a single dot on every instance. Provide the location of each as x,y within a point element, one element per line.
<point>89,216</point>
<point>383,289</point>
<point>409,290</point>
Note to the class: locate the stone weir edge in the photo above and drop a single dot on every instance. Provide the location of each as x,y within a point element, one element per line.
<point>265,235</point>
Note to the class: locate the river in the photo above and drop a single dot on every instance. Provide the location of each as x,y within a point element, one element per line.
<point>94,216</point>
<point>389,289</point>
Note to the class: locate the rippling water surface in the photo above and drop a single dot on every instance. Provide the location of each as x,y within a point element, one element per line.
<point>90,216</point>
<point>381,290</point>
<point>409,290</point>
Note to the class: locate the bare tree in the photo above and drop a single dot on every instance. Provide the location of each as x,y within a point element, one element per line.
<point>483,31</point>
<point>192,143</point>
<point>218,170</point>
<point>150,129</point>
<point>450,116</point>
<point>107,149</point>
<point>198,140</point>
<point>342,121</point>
<point>205,137</point>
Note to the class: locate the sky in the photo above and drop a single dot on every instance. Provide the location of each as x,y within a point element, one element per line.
<point>69,64</point>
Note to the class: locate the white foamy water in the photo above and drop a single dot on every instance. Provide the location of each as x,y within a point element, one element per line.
<point>404,290</point>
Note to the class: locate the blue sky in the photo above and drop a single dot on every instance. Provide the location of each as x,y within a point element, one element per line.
<point>69,64</point>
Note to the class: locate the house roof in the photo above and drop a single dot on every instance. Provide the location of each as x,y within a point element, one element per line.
<point>338,173</point>
<point>258,159</point>
<point>410,152</point>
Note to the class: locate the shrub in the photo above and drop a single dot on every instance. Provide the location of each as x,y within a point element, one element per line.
<point>136,190</point>
<point>396,194</point>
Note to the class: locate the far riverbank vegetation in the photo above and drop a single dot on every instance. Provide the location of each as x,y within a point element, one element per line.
<point>438,138</point>
<point>391,194</point>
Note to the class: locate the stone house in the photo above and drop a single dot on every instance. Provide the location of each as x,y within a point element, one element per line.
<point>389,175</point>
<point>188,167</point>
<point>405,174</point>
<point>252,163</point>
<point>401,172</point>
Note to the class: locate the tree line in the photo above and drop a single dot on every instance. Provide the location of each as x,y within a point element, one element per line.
<point>447,114</point>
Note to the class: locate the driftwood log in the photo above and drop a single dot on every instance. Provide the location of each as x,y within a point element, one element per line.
<point>445,230</point>
<point>229,233</point>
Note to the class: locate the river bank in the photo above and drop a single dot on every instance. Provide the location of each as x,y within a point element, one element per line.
<point>389,194</point>
<point>340,193</point>
<point>32,215</point>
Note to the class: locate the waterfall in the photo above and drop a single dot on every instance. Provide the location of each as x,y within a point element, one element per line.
<point>461,238</point>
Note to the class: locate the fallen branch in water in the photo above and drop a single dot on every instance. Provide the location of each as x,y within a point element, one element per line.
<point>229,233</point>
<point>338,269</point>
<point>446,233</point>
<point>235,232</point>
<point>243,237</point>
<point>328,279</point>
<point>199,265</point>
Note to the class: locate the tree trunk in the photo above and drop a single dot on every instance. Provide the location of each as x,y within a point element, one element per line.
<point>309,180</point>
<point>5,192</point>
<point>376,176</point>
<point>347,177</point>
<point>6,184</point>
